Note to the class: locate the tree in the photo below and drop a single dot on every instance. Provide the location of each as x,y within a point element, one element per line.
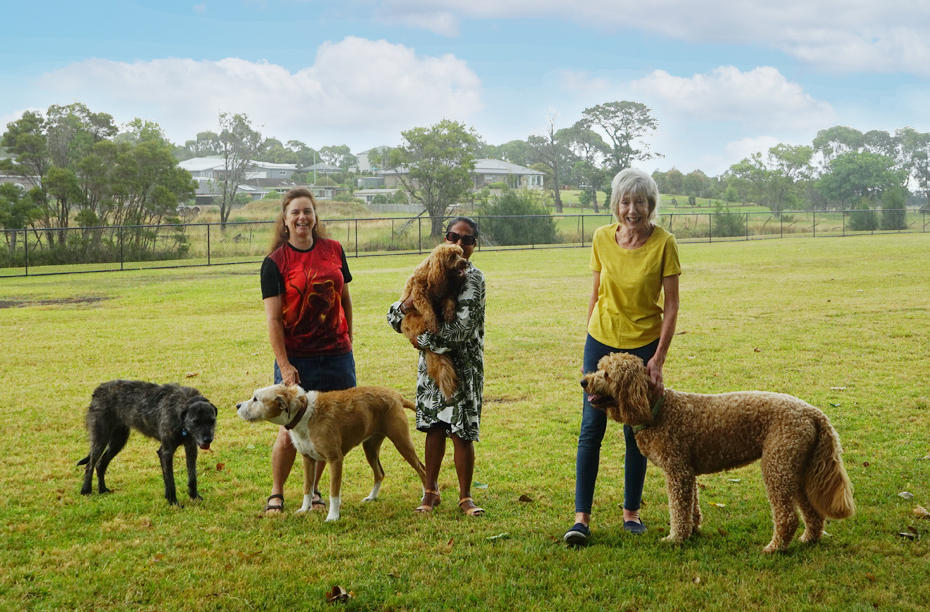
<point>915,155</point>
<point>338,155</point>
<point>774,180</point>
<point>626,124</point>
<point>26,140</point>
<point>518,217</point>
<point>305,155</point>
<point>17,211</point>
<point>434,165</point>
<point>589,151</point>
<point>552,152</point>
<point>837,140</point>
<point>204,145</point>
<point>855,177</point>
<point>518,152</point>
<point>240,145</point>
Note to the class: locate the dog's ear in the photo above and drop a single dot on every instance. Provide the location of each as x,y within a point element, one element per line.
<point>627,377</point>
<point>436,273</point>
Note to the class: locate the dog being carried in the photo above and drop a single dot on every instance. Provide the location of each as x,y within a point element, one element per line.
<point>434,285</point>
<point>687,434</point>
<point>172,414</point>
<point>327,425</point>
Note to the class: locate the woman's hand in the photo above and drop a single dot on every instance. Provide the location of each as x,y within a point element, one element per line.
<point>654,371</point>
<point>289,375</point>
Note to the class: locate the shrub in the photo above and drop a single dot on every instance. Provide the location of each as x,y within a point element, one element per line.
<point>728,224</point>
<point>517,217</point>
<point>863,219</point>
<point>894,214</point>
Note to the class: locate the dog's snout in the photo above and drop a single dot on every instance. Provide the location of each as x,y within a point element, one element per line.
<point>584,383</point>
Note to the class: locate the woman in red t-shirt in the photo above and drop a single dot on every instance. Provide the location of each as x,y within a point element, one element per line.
<point>309,311</point>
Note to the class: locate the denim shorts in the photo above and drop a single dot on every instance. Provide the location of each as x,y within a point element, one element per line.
<point>322,372</point>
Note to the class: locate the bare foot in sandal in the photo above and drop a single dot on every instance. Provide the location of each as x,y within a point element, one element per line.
<point>468,506</point>
<point>317,502</point>
<point>272,509</point>
<point>430,500</point>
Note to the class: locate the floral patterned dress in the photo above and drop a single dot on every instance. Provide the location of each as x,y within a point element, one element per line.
<point>463,339</point>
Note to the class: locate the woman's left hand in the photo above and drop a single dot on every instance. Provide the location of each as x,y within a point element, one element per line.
<point>654,371</point>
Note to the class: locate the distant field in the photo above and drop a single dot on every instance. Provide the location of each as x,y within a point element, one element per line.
<point>842,323</point>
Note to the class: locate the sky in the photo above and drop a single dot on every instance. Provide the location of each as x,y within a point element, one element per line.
<point>724,78</point>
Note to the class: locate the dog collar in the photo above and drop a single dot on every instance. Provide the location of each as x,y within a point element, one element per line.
<point>656,408</point>
<point>300,414</point>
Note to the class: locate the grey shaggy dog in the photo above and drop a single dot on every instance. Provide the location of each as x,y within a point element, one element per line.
<point>172,414</point>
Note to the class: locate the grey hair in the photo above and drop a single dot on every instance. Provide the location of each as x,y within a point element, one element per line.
<point>633,182</point>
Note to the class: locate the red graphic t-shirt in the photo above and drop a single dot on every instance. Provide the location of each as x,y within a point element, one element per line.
<point>310,285</point>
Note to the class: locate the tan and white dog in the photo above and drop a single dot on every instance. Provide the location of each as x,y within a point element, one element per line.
<point>327,425</point>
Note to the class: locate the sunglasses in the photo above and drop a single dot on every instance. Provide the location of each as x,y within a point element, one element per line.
<point>466,239</point>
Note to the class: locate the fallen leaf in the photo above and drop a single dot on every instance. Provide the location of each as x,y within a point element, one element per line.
<point>921,512</point>
<point>835,405</point>
<point>220,466</point>
<point>722,531</point>
<point>500,536</point>
<point>734,479</point>
<point>907,535</point>
<point>479,485</point>
<point>337,593</point>
<point>865,464</point>
<point>913,530</point>
<point>757,350</point>
<point>191,374</point>
<point>526,498</point>
<point>718,505</point>
<point>837,388</point>
<point>906,495</point>
<point>697,580</point>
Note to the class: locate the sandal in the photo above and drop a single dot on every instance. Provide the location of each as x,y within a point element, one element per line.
<point>474,510</point>
<point>277,508</point>
<point>424,507</point>
<point>317,501</point>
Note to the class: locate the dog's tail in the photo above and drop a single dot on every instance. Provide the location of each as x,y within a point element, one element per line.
<point>828,487</point>
<point>409,405</point>
<point>84,461</point>
<point>439,366</point>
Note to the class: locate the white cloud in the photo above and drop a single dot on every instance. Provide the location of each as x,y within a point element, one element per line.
<point>832,35</point>
<point>582,83</point>
<point>356,89</point>
<point>759,97</point>
<point>200,9</point>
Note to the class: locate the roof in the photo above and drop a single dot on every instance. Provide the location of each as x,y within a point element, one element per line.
<point>497,166</point>
<point>215,162</point>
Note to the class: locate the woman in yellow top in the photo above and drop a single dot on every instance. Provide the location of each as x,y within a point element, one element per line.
<point>633,309</point>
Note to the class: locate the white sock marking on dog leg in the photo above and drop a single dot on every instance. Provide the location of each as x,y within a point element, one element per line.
<point>374,492</point>
<point>334,504</point>
<point>308,503</point>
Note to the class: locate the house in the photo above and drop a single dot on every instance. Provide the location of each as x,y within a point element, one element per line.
<point>261,178</point>
<point>321,168</point>
<point>486,172</point>
<point>364,163</point>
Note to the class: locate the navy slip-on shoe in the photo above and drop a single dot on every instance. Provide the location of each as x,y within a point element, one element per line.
<point>636,528</point>
<point>577,535</point>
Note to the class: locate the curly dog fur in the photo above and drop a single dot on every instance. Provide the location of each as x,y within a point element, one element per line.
<point>434,285</point>
<point>687,434</point>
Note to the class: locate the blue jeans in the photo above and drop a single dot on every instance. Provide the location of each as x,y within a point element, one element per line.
<point>593,426</point>
<point>323,372</point>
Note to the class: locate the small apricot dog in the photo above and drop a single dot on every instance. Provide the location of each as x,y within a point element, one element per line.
<point>687,434</point>
<point>435,285</point>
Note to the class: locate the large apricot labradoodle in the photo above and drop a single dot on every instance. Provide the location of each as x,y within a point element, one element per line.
<point>687,434</point>
<point>435,285</point>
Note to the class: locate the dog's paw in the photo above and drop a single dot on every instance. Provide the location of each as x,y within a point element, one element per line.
<point>673,539</point>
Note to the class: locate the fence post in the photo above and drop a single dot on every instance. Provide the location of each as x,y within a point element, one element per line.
<point>122,255</point>
<point>26,249</point>
<point>208,245</point>
<point>582,229</point>
<point>844,223</point>
<point>710,227</point>
<point>747,226</point>
<point>814,213</point>
<point>356,237</point>
<point>420,235</point>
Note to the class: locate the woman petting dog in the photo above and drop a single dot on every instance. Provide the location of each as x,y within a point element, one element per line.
<point>634,262</point>
<point>458,417</point>
<point>305,288</point>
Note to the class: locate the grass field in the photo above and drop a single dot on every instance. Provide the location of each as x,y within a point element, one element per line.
<point>842,323</point>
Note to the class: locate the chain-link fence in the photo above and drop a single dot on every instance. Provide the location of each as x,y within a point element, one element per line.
<point>98,249</point>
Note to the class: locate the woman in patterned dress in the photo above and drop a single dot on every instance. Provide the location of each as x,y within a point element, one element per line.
<point>458,418</point>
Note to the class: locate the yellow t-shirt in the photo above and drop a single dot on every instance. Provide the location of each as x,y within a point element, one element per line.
<point>628,313</point>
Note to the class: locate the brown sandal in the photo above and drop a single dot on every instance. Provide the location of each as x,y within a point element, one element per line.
<point>474,510</point>
<point>424,507</point>
<point>278,508</point>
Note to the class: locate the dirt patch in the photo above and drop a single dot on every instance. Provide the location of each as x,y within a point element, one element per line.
<point>61,302</point>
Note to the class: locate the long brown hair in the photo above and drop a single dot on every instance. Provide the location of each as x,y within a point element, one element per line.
<point>280,234</point>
